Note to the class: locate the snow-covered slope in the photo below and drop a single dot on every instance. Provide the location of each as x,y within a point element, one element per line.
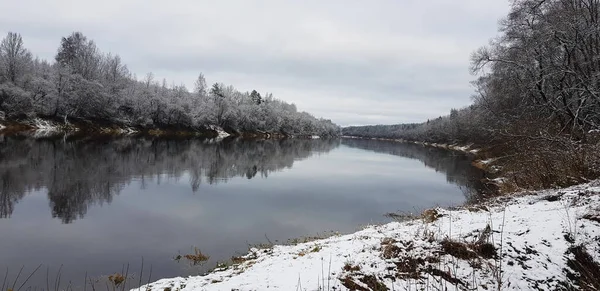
<point>523,242</point>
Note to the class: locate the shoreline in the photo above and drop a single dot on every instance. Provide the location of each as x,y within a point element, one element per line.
<point>497,180</point>
<point>498,243</point>
<point>40,127</point>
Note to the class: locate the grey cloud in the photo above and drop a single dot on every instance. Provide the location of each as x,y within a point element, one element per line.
<point>397,61</point>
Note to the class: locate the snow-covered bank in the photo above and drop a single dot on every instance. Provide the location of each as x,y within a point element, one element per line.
<point>219,130</point>
<point>522,242</point>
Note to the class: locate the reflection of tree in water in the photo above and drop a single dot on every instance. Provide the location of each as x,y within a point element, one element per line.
<point>457,167</point>
<point>78,173</point>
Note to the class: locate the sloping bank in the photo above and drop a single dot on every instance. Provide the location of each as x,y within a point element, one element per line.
<point>546,240</point>
<point>40,127</point>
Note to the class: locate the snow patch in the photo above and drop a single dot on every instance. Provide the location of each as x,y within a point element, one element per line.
<point>124,131</point>
<point>2,127</point>
<point>488,161</point>
<point>528,232</point>
<point>220,132</point>
<point>44,127</point>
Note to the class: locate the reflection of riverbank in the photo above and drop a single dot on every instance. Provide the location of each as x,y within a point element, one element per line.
<point>456,166</point>
<point>80,171</point>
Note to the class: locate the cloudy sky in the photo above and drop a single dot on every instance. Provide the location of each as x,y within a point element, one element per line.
<point>353,61</point>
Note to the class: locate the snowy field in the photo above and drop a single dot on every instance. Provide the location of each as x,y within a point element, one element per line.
<point>528,241</point>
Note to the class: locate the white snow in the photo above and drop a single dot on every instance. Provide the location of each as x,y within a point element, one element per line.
<point>43,127</point>
<point>40,124</point>
<point>488,161</point>
<point>528,230</point>
<point>124,130</point>
<point>220,132</point>
<point>2,127</point>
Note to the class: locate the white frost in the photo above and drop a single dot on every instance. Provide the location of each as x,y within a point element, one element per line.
<point>485,162</point>
<point>44,128</point>
<point>529,231</point>
<point>220,132</point>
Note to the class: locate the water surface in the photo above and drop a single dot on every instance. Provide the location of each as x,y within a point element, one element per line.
<point>95,204</point>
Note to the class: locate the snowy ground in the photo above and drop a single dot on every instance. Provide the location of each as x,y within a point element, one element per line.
<point>521,242</point>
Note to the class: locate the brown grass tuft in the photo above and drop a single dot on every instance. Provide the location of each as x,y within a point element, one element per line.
<point>373,283</point>
<point>585,271</point>
<point>351,285</point>
<point>467,251</point>
<point>197,257</point>
<point>117,279</point>
<point>430,215</point>
<point>351,268</point>
<point>238,260</point>
<point>390,251</point>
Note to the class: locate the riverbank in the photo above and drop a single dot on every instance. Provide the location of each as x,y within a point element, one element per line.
<point>43,127</point>
<point>529,240</point>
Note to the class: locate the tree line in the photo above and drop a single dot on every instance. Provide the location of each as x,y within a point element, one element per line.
<point>537,92</point>
<point>84,84</point>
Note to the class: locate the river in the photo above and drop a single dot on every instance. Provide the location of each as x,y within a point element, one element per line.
<point>90,206</point>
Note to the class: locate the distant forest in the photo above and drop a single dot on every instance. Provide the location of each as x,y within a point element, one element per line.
<point>537,95</point>
<point>83,84</point>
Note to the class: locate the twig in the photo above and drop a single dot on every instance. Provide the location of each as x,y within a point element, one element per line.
<point>501,245</point>
<point>4,281</point>
<point>47,278</point>
<point>126,274</point>
<point>29,277</point>
<point>17,279</point>
<point>141,274</point>
<point>57,280</point>
<point>329,273</point>
<point>149,276</point>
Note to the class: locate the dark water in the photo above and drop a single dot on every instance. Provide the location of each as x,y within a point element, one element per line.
<point>93,205</point>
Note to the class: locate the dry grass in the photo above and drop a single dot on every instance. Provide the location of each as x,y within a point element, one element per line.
<point>468,251</point>
<point>428,216</point>
<point>197,257</point>
<point>372,283</point>
<point>348,267</point>
<point>546,163</point>
<point>238,260</point>
<point>117,279</point>
<point>585,272</point>
<point>351,285</point>
<point>593,216</point>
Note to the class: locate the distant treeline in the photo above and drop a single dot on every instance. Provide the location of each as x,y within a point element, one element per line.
<point>82,84</point>
<point>537,95</point>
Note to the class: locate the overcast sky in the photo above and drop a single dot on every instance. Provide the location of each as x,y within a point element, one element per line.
<point>353,61</point>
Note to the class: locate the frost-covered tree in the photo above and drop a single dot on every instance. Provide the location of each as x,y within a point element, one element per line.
<point>86,85</point>
<point>15,59</point>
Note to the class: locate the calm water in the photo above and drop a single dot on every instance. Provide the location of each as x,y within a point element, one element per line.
<point>93,205</point>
